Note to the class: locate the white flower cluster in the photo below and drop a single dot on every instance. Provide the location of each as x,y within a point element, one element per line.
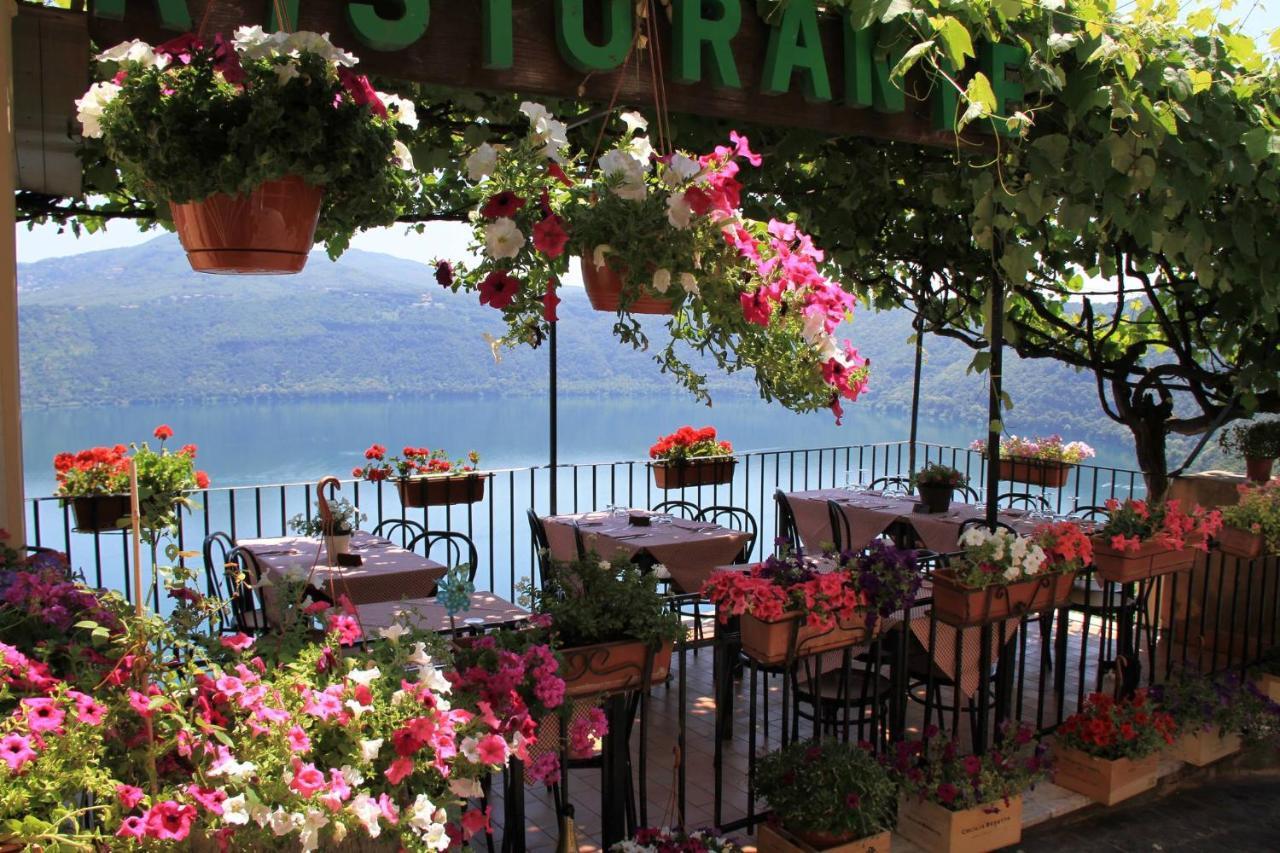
<point>256,43</point>
<point>1021,556</point>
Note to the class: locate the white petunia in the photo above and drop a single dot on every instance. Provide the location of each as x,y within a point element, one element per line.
<point>1011,573</point>
<point>393,633</point>
<point>285,72</point>
<point>680,169</point>
<point>536,112</point>
<point>661,572</point>
<point>634,122</point>
<point>469,748</point>
<point>605,565</point>
<point>367,811</point>
<point>679,213</point>
<point>503,238</point>
<point>689,283</point>
<point>369,749</point>
<point>319,44</point>
<point>482,162</point>
<point>466,788</point>
<point>814,327</point>
<point>283,822</point>
<point>435,681</point>
<point>365,676</point>
<point>405,111</point>
<point>661,279</point>
<point>309,837</point>
<point>401,154</point>
<point>260,814</point>
<point>89,108</point>
<point>421,814</point>
<point>597,256</point>
<point>418,656</point>
<point>618,163</point>
<point>134,50</point>
<point>256,43</point>
<point>437,837</point>
<point>641,149</point>
<point>235,811</point>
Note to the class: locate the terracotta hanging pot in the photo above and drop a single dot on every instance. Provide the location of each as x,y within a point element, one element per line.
<point>270,231</point>
<point>441,490</point>
<point>694,472</point>
<point>604,290</point>
<point>1258,469</point>
<point>1035,472</point>
<point>100,513</point>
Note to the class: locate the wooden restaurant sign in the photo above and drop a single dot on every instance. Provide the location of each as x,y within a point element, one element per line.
<point>803,67</point>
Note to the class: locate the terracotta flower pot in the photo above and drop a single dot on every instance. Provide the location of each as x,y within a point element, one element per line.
<point>270,231</point>
<point>1205,746</point>
<point>940,830</point>
<point>1240,543</point>
<point>697,472</point>
<point>1150,560</point>
<point>936,496</point>
<point>1035,472</point>
<point>100,513</point>
<point>1258,470</point>
<point>1102,780</point>
<point>435,490</point>
<point>611,667</point>
<point>963,606</point>
<point>769,642</point>
<point>779,839</point>
<point>604,290</point>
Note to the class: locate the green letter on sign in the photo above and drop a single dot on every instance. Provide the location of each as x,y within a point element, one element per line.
<point>795,45</point>
<point>697,37</point>
<point>997,60</point>
<point>380,33</point>
<point>498,49</point>
<point>866,75</point>
<point>173,13</point>
<point>578,51</point>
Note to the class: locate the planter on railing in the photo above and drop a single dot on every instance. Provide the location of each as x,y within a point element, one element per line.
<point>1205,746</point>
<point>963,606</point>
<point>710,471</point>
<point>931,827</point>
<point>1258,469</point>
<point>778,839</point>
<point>1101,780</point>
<point>1240,543</point>
<point>441,490</point>
<point>604,291</point>
<point>1150,560</point>
<point>1035,472</point>
<point>270,231</point>
<point>612,667</point>
<point>769,643</point>
<point>100,513</point>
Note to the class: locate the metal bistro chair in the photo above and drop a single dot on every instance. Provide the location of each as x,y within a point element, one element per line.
<point>788,532</point>
<point>224,561</point>
<point>402,530</point>
<point>679,509</point>
<point>892,485</point>
<point>541,547</point>
<point>1034,503</point>
<point>733,518</point>
<point>458,548</point>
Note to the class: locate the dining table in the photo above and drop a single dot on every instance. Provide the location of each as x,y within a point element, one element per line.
<point>688,549</point>
<point>485,611</point>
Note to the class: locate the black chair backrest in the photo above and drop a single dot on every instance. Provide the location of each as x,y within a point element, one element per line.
<point>247,609</point>
<point>1013,500</point>
<point>454,546</point>
<point>679,509</point>
<point>892,485</point>
<point>1090,513</point>
<point>217,546</point>
<point>541,547</point>
<point>402,531</point>
<point>734,518</point>
<point>982,522</point>
<point>841,532</point>
<point>788,533</point>
<point>969,493</point>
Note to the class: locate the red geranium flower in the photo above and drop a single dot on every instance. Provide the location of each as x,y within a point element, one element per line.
<point>549,236</point>
<point>163,432</point>
<point>202,480</point>
<point>504,204</point>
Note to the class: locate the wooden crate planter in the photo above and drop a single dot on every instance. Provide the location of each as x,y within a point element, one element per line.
<point>611,667</point>
<point>964,606</point>
<point>1150,560</point>
<point>604,291</point>
<point>776,839</point>
<point>100,513</point>
<point>1035,472</point>
<point>1205,746</point>
<point>698,472</point>
<point>441,490</point>
<point>1269,686</point>
<point>939,830</point>
<point>769,642</point>
<point>1240,543</point>
<point>1101,780</point>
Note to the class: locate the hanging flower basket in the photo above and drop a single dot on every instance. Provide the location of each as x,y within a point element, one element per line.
<point>1150,560</point>
<point>778,839</point>
<point>963,606</point>
<point>1240,543</point>
<point>768,642</point>
<point>612,667</point>
<point>270,231</point>
<point>100,513</point>
<point>937,829</point>
<point>1035,472</point>
<point>604,290</point>
<point>441,490</point>
<point>694,472</point>
<point>1105,781</point>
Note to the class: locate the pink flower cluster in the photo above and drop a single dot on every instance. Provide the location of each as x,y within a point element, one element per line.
<point>777,587</point>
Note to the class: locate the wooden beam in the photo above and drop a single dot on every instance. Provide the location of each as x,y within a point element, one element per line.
<point>12,509</point>
<point>50,71</point>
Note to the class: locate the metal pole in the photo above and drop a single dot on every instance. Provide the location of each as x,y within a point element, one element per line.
<point>993,400</point>
<point>915,391</point>
<point>554,453</point>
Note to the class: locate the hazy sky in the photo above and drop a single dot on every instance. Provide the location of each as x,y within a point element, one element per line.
<point>449,240</point>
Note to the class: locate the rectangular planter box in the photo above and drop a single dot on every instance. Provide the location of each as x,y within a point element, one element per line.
<point>1132,566</point>
<point>1239,543</point>
<point>441,490</point>
<point>1103,781</point>
<point>101,513</point>
<point>1269,686</point>
<point>698,472</point>
<point>964,606</point>
<point>1035,473</point>
<point>776,839</point>
<point>769,642</point>
<point>611,667</point>
<point>1205,746</point>
<point>939,830</point>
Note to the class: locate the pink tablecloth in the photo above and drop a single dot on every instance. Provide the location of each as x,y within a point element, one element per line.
<point>487,610</point>
<point>388,573</point>
<point>689,549</point>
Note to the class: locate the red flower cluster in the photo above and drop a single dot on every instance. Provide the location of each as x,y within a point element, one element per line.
<point>1125,728</point>
<point>1064,542</point>
<point>688,442</point>
<point>411,461</point>
<point>780,586</point>
<point>1135,521</point>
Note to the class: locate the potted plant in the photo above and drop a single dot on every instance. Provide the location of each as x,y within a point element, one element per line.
<point>1215,715</point>
<point>692,457</point>
<point>425,477</point>
<point>676,840</point>
<point>788,608</point>
<point>95,482</point>
<point>956,803</point>
<point>1258,443</point>
<point>346,519</point>
<point>936,483</point>
<point>658,232</point>
<point>1252,527</point>
<point>606,621</point>
<point>1110,750</point>
<point>260,145</point>
<point>1039,461</point>
<point>1141,540</point>
<point>825,795</point>
<point>1001,575</point>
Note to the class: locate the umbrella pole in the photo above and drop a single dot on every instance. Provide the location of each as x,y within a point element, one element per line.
<point>994,426</point>
<point>915,394</point>
<point>554,453</point>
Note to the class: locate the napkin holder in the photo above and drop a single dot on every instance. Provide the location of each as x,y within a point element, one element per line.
<point>639,519</point>
<point>350,561</point>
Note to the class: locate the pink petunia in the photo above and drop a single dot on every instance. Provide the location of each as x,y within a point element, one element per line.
<point>16,751</point>
<point>492,749</point>
<point>237,642</point>
<point>43,715</point>
<point>399,769</point>
<point>129,796</point>
<point>307,779</point>
<point>170,821</point>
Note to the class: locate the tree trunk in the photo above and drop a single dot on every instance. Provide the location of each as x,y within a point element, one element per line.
<point>1149,441</point>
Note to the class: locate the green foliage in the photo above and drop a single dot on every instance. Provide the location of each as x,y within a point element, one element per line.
<point>346,520</point>
<point>936,770</point>
<point>828,786</point>
<point>1258,512</point>
<point>937,474</point>
<point>1257,440</point>
<point>1198,701</point>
